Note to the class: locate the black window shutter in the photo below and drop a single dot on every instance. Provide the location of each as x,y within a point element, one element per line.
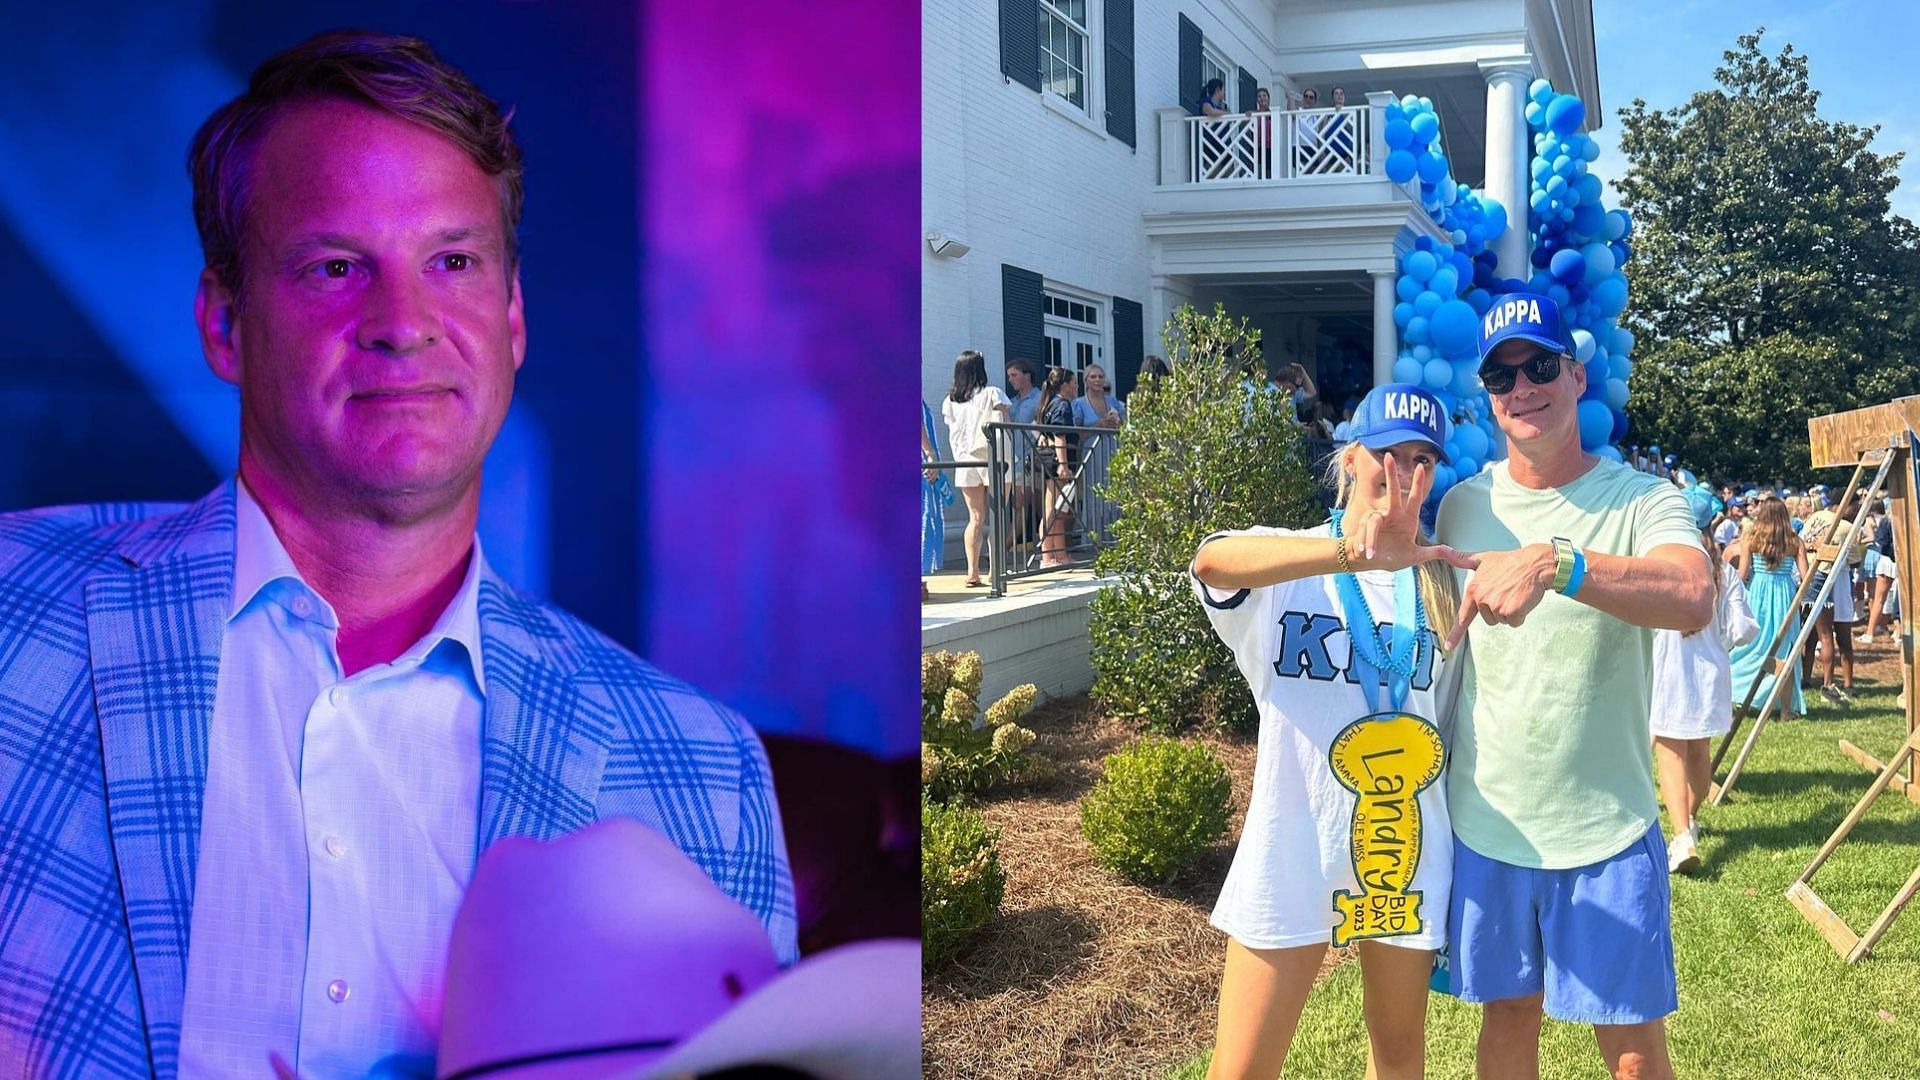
<point>1189,65</point>
<point>1249,87</point>
<point>1022,313</point>
<point>1120,105</point>
<point>1020,42</point>
<point>1129,345</point>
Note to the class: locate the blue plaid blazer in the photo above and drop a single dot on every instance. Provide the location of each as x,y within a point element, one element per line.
<point>111,618</point>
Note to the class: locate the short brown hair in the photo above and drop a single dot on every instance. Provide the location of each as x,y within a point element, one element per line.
<point>397,75</point>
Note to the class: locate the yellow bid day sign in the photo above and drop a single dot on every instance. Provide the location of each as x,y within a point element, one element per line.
<point>1386,759</point>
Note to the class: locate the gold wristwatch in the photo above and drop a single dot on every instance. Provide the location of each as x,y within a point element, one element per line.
<point>1562,563</point>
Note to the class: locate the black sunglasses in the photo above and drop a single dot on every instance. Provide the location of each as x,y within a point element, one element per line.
<point>1542,367</point>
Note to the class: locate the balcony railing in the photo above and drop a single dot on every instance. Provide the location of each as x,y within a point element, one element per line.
<point>1282,145</point>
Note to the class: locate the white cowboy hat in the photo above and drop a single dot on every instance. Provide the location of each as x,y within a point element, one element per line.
<point>608,954</point>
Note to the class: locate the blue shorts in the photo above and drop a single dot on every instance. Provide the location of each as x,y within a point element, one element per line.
<point>1597,939</point>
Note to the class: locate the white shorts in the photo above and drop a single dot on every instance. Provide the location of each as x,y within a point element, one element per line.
<point>966,478</point>
<point>1886,568</point>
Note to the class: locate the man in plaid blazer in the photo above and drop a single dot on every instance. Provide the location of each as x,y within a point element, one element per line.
<point>358,207</point>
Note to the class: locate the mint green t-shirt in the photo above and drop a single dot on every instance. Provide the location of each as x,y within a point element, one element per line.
<point>1551,765</point>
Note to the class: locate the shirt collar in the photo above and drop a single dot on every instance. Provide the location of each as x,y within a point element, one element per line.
<point>260,560</point>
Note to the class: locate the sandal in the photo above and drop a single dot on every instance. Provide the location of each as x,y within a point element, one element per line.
<point>976,584</point>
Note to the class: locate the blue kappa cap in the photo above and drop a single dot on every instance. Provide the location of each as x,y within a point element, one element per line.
<point>1401,412</point>
<point>1525,316</point>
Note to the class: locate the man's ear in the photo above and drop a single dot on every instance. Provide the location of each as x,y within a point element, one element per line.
<point>517,323</point>
<point>213,313</point>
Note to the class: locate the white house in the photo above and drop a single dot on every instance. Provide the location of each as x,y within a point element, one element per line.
<point>1071,198</point>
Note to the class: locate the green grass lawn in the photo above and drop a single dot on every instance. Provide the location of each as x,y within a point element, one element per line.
<point>1761,993</point>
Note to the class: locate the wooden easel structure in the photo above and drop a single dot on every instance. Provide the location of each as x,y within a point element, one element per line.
<point>1837,440</point>
<point>1825,558</point>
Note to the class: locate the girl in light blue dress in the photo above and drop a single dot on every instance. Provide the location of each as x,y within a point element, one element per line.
<point>1771,560</point>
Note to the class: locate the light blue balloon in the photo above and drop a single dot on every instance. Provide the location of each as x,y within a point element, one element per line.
<point>1425,126</point>
<point>1408,287</point>
<point>1427,303</point>
<point>1399,134</point>
<point>1619,367</point>
<point>1610,296</point>
<point>1596,423</point>
<point>1439,374</point>
<point>1465,467</point>
<point>1617,393</point>
<point>1454,329</point>
<point>1473,441</point>
<point>1616,225</point>
<point>1599,259</point>
<point>1422,353</point>
<point>1401,313</point>
<point>1420,265</point>
<point>1622,341</point>
<point>1583,344</point>
<point>1565,113</point>
<point>1445,281</point>
<point>1417,331</point>
<point>1611,453</point>
<point>1567,265</point>
<point>1536,114</point>
<point>1540,91</point>
<point>1408,370</point>
<point>1563,166</point>
<point>1401,166</point>
<point>1588,185</point>
<point>1465,380</point>
<point>1589,150</point>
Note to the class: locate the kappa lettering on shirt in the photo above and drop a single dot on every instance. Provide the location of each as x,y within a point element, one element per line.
<point>1306,651</point>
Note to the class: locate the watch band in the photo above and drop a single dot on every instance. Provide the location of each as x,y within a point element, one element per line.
<point>1562,563</point>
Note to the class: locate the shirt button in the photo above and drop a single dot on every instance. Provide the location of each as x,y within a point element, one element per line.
<point>335,846</point>
<point>337,991</point>
<point>337,697</point>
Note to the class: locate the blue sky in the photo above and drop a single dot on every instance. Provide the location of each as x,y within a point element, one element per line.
<point>1862,59</point>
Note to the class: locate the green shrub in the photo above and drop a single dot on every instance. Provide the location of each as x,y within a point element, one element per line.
<point>1200,452</point>
<point>958,754</point>
<point>961,883</point>
<point>1158,805</point>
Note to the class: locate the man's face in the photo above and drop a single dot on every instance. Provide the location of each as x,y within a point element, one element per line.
<point>381,331</point>
<point>1019,380</point>
<point>1536,415</point>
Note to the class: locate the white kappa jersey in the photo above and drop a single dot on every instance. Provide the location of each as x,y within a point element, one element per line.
<point>1298,846</point>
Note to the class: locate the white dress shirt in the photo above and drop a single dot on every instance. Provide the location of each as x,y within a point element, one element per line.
<point>338,833</point>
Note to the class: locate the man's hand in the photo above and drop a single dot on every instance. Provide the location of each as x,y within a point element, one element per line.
<point>1506,588</point>
<point>1390,540</point>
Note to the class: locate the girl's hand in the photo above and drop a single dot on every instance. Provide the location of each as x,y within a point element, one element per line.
<point>1390,539</point>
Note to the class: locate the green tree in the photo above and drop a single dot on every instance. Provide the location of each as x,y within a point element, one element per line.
<point>1771,280</point>
<point>1203,450</point>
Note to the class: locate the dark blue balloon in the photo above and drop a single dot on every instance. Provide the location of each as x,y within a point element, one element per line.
<point>1399,133</point>
<point>1619,426</point>
<point>1433,167</point>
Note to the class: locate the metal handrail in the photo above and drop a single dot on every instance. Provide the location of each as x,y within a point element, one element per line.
<point>1070,501</point>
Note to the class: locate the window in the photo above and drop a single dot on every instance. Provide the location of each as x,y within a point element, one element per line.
<point>1074,331</point>
<point>1213,65</point>
<point>1063,49</point>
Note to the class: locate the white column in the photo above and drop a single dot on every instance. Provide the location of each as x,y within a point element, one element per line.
<point>1377,101</point>
<point>1385,339</point>
<point>1170,291</point>
<point>1508,150</point>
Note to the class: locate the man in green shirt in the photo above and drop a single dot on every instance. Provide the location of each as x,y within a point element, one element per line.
<point>1560,896</point>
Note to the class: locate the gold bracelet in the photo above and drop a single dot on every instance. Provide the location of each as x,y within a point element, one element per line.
<point>1340,554</point>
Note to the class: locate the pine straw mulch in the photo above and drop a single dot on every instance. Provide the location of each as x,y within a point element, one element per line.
<point>1083,974</point>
